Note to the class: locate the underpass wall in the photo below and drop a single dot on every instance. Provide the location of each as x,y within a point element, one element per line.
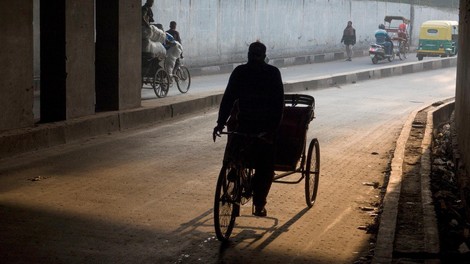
<point>216,32</point>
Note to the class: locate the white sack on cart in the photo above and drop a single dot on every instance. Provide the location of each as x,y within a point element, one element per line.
<point>155,48</point>
<point>172,54</point>
<point>146,32</point>
<point>157,35</point>
<point>153,33</point>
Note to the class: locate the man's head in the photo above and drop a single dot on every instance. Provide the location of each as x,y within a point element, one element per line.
<point>349,23</point>
<point>256,52</point>
<point>172,25</point>
<point>381,26</point>
<point>149,3</point>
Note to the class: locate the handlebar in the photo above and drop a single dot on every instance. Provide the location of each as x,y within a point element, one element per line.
<point>252,135</point>
<point>260,135</point>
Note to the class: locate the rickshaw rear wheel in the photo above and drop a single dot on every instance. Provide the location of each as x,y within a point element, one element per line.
<point>312,172</point>
<point>161,83</point>
<point>226,203</point>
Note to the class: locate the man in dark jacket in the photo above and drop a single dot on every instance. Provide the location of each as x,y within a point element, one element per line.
<point>349,39</point>
<point>257,90</point>
<point>172,31</point>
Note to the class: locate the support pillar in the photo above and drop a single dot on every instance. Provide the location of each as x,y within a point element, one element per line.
<point>462,96</point>
<point>16,64</point>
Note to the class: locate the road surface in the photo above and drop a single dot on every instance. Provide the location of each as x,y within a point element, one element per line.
<point>145,196</point>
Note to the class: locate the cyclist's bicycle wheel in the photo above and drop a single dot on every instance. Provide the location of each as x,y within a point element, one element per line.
<point>161,83</point>
<point>226,203</point>
<point>312,172</point>
<point>403,51</point>
<point>183,78</point>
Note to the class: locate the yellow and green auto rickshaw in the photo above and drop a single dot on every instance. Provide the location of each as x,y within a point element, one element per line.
<point>438,38</point>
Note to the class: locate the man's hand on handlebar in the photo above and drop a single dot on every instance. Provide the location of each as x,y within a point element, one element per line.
<point>217,130</point>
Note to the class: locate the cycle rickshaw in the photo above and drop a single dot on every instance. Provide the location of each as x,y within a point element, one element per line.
<point>398,28</point>
<point>233,187</point>
<point>155,75</point>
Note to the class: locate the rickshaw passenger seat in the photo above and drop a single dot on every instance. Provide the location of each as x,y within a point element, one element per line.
<point>292,136</point>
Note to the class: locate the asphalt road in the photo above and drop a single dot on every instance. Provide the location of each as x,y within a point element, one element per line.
<point>217,82</point>
<point>145,196</point>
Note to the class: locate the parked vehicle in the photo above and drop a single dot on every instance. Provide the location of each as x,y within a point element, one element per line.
<point>438,38</point>
<point>377,53</point>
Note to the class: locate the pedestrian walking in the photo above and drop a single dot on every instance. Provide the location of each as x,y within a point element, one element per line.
<point>349,39</point>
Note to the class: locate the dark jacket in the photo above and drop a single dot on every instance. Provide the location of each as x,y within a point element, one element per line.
<point>349,36</point>
<point>175,34</point>
<point>259,91</point>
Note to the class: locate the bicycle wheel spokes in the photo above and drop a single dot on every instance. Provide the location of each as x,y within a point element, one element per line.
<point>312,172</point>
<point>225,204</point>
<point>183,79</point>
<point>161,83</point>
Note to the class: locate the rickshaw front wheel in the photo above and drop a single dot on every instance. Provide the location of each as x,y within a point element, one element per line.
<point>183,78</point>
<point>226,202</point>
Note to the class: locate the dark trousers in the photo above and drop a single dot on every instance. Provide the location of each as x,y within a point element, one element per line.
<point>263,154</point>
<point>259,155</point>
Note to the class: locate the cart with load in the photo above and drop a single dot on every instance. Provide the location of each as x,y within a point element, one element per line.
<point>161,62</point>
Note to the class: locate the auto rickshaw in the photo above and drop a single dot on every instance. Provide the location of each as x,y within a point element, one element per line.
<point>438,38</point>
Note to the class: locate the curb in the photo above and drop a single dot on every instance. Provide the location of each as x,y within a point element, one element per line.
<point>386,234</point>
<point>279,62</point>
<point>382,72</point>
<point>18,141</point>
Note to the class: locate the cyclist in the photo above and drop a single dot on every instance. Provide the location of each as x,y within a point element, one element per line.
<point>257,89</point>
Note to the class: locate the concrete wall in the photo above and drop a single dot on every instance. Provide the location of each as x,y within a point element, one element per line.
<point>462,97</point>
<point>80,53</point>
<point>216,32</point>
<point>130,44</point>
<point>16,64</point>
